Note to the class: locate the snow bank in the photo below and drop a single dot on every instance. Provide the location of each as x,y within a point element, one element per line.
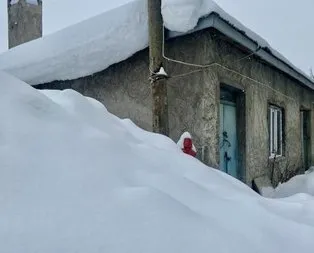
<point>74,178</point>
<point>116,31</point>
<point>298,184</point>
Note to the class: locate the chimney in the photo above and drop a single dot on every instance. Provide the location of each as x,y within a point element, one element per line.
<point>24,21</point>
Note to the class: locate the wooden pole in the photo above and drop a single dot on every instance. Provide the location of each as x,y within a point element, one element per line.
<point>158,82</point>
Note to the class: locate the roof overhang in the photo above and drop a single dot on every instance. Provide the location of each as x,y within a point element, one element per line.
<point>213,20</point>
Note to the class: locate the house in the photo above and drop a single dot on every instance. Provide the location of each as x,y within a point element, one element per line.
<point>249,110</point>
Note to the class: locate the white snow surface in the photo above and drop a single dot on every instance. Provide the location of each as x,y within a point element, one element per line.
<point>14,2</point>
<point>96,42</point>
<point>75,178</point>
<point>82,49</point>
<point>300,184</point>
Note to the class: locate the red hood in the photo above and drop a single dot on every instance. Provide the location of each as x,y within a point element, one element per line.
<point>187,143</point>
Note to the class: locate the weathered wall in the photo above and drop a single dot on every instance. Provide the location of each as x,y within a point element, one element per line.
<point>25,22</point>
<point>125,90</point>
<point>268,86</point>
<point>194,97</point>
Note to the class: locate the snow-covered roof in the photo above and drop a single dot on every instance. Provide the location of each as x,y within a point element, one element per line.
<point>113,36</point>
<point>253,42</point>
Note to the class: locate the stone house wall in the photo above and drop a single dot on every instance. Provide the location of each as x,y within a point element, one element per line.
<point>269,86</point>
<point>194,98</point>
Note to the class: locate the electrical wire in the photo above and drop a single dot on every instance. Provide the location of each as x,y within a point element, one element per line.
<point>201,67</point>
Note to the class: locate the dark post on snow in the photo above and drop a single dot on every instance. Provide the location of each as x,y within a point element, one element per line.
<point>158,81</point>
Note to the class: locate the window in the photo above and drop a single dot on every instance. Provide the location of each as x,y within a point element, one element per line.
<point>276,131</point>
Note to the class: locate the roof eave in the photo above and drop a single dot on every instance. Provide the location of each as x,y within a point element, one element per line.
<point>215,21</point>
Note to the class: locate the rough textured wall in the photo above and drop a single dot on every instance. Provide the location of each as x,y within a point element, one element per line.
<point>25,22</point>
<point>194,97</point>
<point>269,86</point>
<point>125,90</point>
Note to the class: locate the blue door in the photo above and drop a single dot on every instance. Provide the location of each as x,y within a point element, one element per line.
<point>228,139</point>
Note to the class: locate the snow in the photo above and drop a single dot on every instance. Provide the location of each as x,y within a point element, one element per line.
<point>161,72</point>
<point>97,39</point>
<point>183,15</point>
<point>14,2</point>
<point>75,178</point>
<point>300,184</point>
<point>91,46</point>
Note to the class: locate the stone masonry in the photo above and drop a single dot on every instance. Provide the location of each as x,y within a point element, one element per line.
<point>25,22</point>
<point>194,97</point>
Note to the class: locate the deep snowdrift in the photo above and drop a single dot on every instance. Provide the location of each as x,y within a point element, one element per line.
<point>74,178</point>
<point>97,42</point>
<point>300,184</point>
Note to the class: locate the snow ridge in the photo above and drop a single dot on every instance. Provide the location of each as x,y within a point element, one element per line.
<point>75,178</point>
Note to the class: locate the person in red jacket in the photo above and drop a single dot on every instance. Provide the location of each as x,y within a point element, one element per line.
<point>188,147</point>
<point>186,144</point>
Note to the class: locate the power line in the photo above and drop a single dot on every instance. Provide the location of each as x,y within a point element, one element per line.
<point>201,67</point>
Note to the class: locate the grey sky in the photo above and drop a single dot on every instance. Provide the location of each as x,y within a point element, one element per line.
<point>286,25</point>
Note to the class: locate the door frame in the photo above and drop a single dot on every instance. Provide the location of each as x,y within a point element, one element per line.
<point>232,95</point>
<point>305,116</point>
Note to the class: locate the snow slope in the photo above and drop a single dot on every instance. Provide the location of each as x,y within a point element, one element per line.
<point>300,184</point>
<point>74,178</point>
<point>96,42</point>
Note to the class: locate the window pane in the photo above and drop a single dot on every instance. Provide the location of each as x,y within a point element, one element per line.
<point>279,128</point>
<point>272,131</point>
<point>276,130</point>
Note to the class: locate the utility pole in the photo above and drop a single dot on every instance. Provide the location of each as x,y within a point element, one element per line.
<point>158,77</point>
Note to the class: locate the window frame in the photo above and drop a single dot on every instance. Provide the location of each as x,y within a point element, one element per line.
<point>276,136</point>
